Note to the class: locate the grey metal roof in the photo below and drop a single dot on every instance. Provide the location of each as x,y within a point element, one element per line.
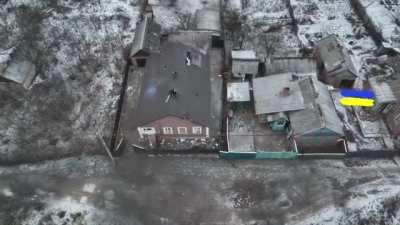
<point>268,97</point>
<point>243,55</point>
<point>208,19</point>
<point>383,91</point>
<point>238,92</point>
<point>22,72</point>
<point>320,111</point>
<point>147,36</point>
<point>244,67</point>
<point>334,55</point>
<point>192,84</point>
<point>297,65</point>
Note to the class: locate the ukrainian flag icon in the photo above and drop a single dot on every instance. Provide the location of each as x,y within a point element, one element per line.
<point>353,97</point>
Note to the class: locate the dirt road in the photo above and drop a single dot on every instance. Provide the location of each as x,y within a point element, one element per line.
<point>199,190</point>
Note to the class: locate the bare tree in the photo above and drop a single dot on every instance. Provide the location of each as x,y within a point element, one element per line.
<point>271,43</point>
<point>184,21</point>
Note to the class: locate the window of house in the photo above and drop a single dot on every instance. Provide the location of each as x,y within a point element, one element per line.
<point>147,130</point>
<point>182,130</point>
<point>196,130</point>
<point>168,130</point>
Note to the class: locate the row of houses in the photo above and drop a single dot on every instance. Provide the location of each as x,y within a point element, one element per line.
<point>284,100</point>
<point>291,94</point>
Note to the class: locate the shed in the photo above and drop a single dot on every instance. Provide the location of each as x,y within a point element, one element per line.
<point>244,63</point>
<point>387,100</point>
<point>298,65</point>
<point>21,72</point>
<point>318,124</point>
<point>238,92</point>
<point>208,19</point>
<point>382,90</point>
<point>277,93</point>
<point>146,41</point>
<point>334,59</point>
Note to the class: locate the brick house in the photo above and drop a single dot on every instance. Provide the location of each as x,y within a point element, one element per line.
<point>175,100</point>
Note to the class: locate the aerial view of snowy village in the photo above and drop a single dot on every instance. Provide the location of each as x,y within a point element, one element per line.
<point>199,112</point>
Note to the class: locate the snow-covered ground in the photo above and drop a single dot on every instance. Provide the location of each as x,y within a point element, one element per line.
<point>265,27</point>
<point>205,190</point>
<point>179,14</point>
<point>385,16</point>
<point>78,49</point>
<point>318,19</point>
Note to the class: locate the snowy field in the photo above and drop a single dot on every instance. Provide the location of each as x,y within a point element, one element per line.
<point>78,49</point>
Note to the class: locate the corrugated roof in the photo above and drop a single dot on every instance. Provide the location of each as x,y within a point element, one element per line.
<point>320,111</point>
<point>334,55</point>
<point>268,95</point>
<point>244,67</point>
<point>383,91</point>
<point>192,84</point>
<point>297,65</point>
<point>238,92</point>
<point>243,55</point>
<point>147,36</point>
<point>22,72</point>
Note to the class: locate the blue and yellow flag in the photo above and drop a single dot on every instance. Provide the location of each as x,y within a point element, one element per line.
<point>354,97</point>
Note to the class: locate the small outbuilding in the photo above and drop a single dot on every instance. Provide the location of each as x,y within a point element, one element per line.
<point>387,100</point>
<point>334,62</point>
<point>22,72</point>
<point>244,64</point>
<point>147,39</point>
<point>238,92</point>
<point>318,125</point>
<point>297,65</point>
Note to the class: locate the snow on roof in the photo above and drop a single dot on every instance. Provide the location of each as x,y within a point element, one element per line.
<point>22,72</point>
<point>299,65</point>
<point>269,94</point>
<point>147,36</point>
<point>334,55</point>
<point>5,55</point>
<point>238,92</point>
<point>319,112</point>
<point>208,19</point>
<point>383,91</point>
<point>244,55</point>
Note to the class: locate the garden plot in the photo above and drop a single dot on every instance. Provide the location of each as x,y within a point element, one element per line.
<point>265,26</point>
<point>319,19</point>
